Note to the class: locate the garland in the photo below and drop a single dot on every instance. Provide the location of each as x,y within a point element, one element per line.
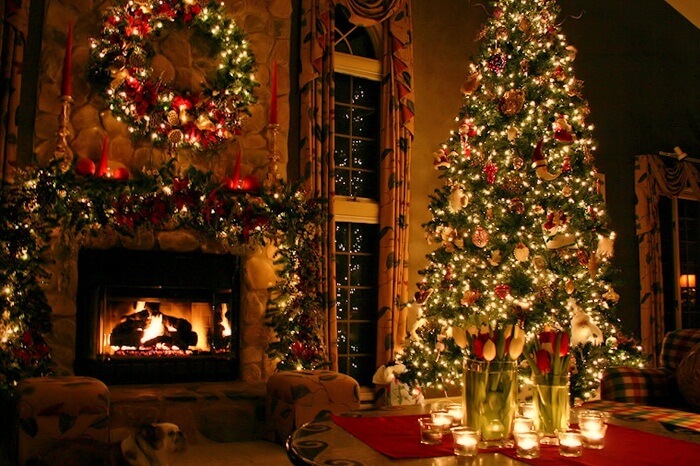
<point>44,199</point>
<point>120,66</point>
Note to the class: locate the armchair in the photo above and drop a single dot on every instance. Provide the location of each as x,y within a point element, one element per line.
<point>658,386</point>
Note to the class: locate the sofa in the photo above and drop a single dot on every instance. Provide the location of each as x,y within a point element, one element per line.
<point>675,383</point>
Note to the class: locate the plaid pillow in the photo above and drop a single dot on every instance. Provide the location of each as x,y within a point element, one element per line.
<point>675,346</point>
<point>634,385</point>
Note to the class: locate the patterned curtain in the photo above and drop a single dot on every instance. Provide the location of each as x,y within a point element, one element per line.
<point>316,141</point>
<point>652,180</point>
<point>317,121</point>
<point>13,32</point>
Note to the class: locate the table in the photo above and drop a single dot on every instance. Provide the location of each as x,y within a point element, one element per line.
<point>322,442</point>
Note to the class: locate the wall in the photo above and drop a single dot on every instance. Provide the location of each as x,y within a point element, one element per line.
<point>639,61</point>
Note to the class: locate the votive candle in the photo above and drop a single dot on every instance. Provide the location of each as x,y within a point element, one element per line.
<point>594,437</point>
<point>522,424</point>
<point>430,433</point>
<point>455,410</point>
<point>570,444</point>
<point>443,419</point>
<point>527,445</point>
<point>466,441</point>
<point>528,410</point>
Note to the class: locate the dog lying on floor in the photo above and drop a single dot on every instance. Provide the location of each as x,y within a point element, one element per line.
<point>153,445</point>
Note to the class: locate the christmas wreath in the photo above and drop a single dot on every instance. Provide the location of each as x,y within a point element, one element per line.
<point>120,65</point>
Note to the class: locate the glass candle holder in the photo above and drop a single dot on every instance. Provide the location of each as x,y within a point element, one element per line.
<point>443,419</point>
<point>527,444</point>
<point>594,437</point>
<point>430,432</point>
<point>527,410</point>
<point>570,443</point>
<point>522,424</point>
<point>456,411</point>
<point>591,420</point>
<point>466,441</point>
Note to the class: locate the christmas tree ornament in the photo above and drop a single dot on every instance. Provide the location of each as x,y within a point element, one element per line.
<point>524,25</point>
<point>525,66</point>
<point>497,63</point>
<point>582,257</point>
<point>512,102</point>
<point>458,199</point>
<point>490,170</point>
<point>539,262</point>
<point>521,252</point>
<point>518,163</point>
<point>495,258</point>
<point>606,247</point>
<point>572,52</point>
<point>422,295</point>
<point>512,134</point>
<point>480,237</point>
<point>516,206</point>
<point>441,159</point>
<point>570,287</point>
<point>471,84</point>
<point>502,290</point>
<point>469,297</point>
<point>85,166</point>
<point>612,296</point>
<point>566,190</point>
<point>562,130</point>
<point>540,164</point>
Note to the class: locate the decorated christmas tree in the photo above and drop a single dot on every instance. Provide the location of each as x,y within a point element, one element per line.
<point>520,229</point>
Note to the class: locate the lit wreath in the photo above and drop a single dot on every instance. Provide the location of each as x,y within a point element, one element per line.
<point>120,65</point>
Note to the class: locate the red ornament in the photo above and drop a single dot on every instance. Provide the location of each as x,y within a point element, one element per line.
<point>121,174</point>
<point>490,170</point>
<point>85,167</point>
<point>251,183</point>
<point>502,290</point>
<point>497,63</point>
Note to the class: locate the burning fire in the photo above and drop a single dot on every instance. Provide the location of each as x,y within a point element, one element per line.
<point>155,328</point>
<point>224,321</point>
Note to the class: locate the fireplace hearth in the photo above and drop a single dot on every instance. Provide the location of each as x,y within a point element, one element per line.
<point>157,316</point>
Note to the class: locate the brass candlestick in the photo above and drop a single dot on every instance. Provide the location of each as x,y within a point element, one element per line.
<point>62,151</point>
<point>273,166</point>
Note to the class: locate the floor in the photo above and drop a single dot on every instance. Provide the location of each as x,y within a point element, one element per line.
<point>255,453</point>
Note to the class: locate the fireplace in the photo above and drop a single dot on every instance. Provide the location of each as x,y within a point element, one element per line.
<point>157,316</point>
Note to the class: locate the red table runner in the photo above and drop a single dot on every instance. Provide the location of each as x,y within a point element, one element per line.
<point>399,437</point>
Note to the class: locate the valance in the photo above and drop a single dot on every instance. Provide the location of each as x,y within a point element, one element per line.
<point>368,13</point>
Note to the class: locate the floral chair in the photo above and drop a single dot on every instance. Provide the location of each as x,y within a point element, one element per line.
<point>658,386</point>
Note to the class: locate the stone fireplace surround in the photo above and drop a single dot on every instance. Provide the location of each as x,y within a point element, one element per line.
<point>257,275</point>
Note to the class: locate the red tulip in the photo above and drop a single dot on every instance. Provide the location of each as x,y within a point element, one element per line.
<point>479,348</point>
<point>544,361</point>
<point>548,336</point>
<point>564,344</point>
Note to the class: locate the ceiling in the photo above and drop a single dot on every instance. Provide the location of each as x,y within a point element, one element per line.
<point>688,8</point>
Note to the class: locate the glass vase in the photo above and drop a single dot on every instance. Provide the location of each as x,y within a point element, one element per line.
<point>490,398</point>
<point>551,402</point>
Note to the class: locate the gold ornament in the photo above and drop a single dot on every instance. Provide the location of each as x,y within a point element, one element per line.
<point>570,286</point>
<point>480,237</point>
<point>173,117</point>
<point>566,190</point>
<point>524,25</point>
<point>518,162</point>
<point>522,253</point>
<point>539,262</point>
<point>512,133</point>
<point>175,136</point>
<point>512,102</point>
<point>502,33</point>
<point>471,84</point>
<point>495,258</point>
<point>469,297</point>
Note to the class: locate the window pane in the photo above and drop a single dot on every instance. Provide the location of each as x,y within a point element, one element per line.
<point>364,238</point>
<point>342,236</point>
<point>342,151</point>
<point>361,44</point>
<point>341,269</point>
<point>342,119</point>
<point>365,154</point>
<point>342,340</point>
<point>365,92</point>
<point>361,368</point>
<point>342,88</point>
<point>363,271</point>
<point>362,338</point>
<point>342,304</point>
<point>365,184</point>
<point>364,304</point>
<point>364,122</point>
<point>342,182</point>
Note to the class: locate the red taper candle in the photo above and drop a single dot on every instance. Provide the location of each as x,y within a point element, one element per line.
<point>237,172</point>
<point>273,94</point>
<point>102,167</point>
<point>67,85</point>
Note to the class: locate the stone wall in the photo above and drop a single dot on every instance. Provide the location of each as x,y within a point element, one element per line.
<point>268,25</point>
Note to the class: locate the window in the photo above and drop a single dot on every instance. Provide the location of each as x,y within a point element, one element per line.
<point>357,75</point>
<point>680,252</point>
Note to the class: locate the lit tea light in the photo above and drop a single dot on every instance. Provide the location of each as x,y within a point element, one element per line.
<point>466,441</point>
<point>522,424</point>
<point>455,410</point>
<point>591,420</point>
<point>443,419</point>
<point>527,445</point>
<point>528,410</point>
<point>594,437</point>
<point>570,444</point>
<point>430,432</point>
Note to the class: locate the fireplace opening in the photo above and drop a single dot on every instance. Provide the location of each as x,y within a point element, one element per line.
<point>157,316</point>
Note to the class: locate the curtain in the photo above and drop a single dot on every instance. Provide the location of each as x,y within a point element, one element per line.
<point>13,33</point>
<point>653,179</point>
<point>316,150</point>
<point>316,140</point>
